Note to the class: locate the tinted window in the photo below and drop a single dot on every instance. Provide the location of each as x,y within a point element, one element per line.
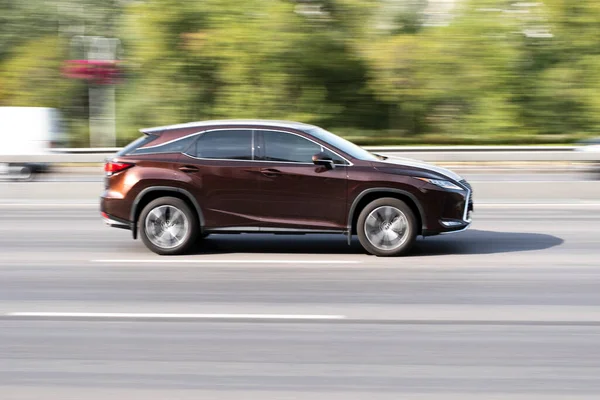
<point>176,146</point>
<point>225,145</point>
<point>336,159</point>
<point>287,147</point>
<point>131,147</point>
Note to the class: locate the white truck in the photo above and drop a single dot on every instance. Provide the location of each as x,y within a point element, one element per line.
<point>28,134</point>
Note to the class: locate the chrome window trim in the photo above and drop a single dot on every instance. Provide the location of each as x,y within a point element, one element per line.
<point>254,161</point>
<point>253,130</point>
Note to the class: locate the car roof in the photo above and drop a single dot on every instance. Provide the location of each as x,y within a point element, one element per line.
<point>232,122</point>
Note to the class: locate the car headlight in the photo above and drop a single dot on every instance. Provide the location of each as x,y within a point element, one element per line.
<point>441,183</point>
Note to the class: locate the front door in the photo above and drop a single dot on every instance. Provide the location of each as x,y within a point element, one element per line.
<point>295,193</point>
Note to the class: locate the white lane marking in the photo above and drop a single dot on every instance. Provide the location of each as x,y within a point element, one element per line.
<point>537,205</point>
<point>558,181</point>
<point>49,205</point>
<point>203,261</point>
<point>173,315</point>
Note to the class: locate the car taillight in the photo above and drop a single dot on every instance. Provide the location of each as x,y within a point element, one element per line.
<point>112,168</point>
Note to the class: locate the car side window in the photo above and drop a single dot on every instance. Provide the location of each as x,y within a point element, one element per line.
<point>287,147</point>
<point>175,146</point>
<point>224,145</point>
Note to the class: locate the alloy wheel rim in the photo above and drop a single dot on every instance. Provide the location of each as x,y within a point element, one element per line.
<point>166,227</point>
<point>386,228</point>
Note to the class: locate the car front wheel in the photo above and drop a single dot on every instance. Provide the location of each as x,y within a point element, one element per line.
<point>168,226</point>
<point>387,227</point>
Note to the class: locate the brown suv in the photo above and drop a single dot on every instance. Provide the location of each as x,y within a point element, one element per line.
<point>180,183</point>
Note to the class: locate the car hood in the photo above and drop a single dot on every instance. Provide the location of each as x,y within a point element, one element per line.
<point>392,162</point>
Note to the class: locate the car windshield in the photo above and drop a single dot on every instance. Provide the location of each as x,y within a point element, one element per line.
<point>344,145</point>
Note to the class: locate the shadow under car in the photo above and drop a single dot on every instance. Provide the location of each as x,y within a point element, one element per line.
<point>468,242</point>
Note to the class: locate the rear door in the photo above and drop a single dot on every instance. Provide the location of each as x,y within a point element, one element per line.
<point>220,170</point>
<point>295,193</point>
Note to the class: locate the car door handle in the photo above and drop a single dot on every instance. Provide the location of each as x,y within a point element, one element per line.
<point>270,172</point>
<point>189,169</point>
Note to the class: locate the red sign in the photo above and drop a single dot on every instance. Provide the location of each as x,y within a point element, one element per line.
<point>95,71</point>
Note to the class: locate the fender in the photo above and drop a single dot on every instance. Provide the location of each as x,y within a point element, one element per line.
<point>386,190</point>
<point>140,196</point>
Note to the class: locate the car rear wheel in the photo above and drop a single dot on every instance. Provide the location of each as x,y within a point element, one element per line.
<point>387,227</point>
<point>168,226</point>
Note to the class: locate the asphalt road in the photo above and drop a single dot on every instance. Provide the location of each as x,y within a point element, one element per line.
<point>507,310</point>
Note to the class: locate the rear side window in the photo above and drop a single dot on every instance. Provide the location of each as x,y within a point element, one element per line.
<point>131,147</point>
<point>175,146</point>
<point>224,145</point>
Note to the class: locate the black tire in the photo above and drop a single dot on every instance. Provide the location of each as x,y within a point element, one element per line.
<point>26,174</point>
<point>188,240</point>
<point>21,173</point>
<point>405,241</point>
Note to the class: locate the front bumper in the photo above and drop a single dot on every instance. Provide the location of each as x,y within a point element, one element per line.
<point>455,213</point>
<point>454,226</point>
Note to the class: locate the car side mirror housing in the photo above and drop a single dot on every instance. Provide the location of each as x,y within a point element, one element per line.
<point>324,160</point>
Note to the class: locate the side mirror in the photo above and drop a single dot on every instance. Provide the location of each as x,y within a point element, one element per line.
<point>323,160</point>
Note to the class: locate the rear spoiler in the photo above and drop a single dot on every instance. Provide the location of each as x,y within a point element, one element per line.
<point>152,131</point>
<point>159,129</point>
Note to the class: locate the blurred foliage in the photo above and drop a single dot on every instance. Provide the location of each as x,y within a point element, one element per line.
<point>376,71</point>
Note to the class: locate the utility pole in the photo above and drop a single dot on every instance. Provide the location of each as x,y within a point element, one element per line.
<point>94,59</point>
<point>102,102</point>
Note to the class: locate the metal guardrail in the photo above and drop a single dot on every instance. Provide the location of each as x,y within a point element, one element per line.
<point>447,154</point>
<point>450,154</point>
